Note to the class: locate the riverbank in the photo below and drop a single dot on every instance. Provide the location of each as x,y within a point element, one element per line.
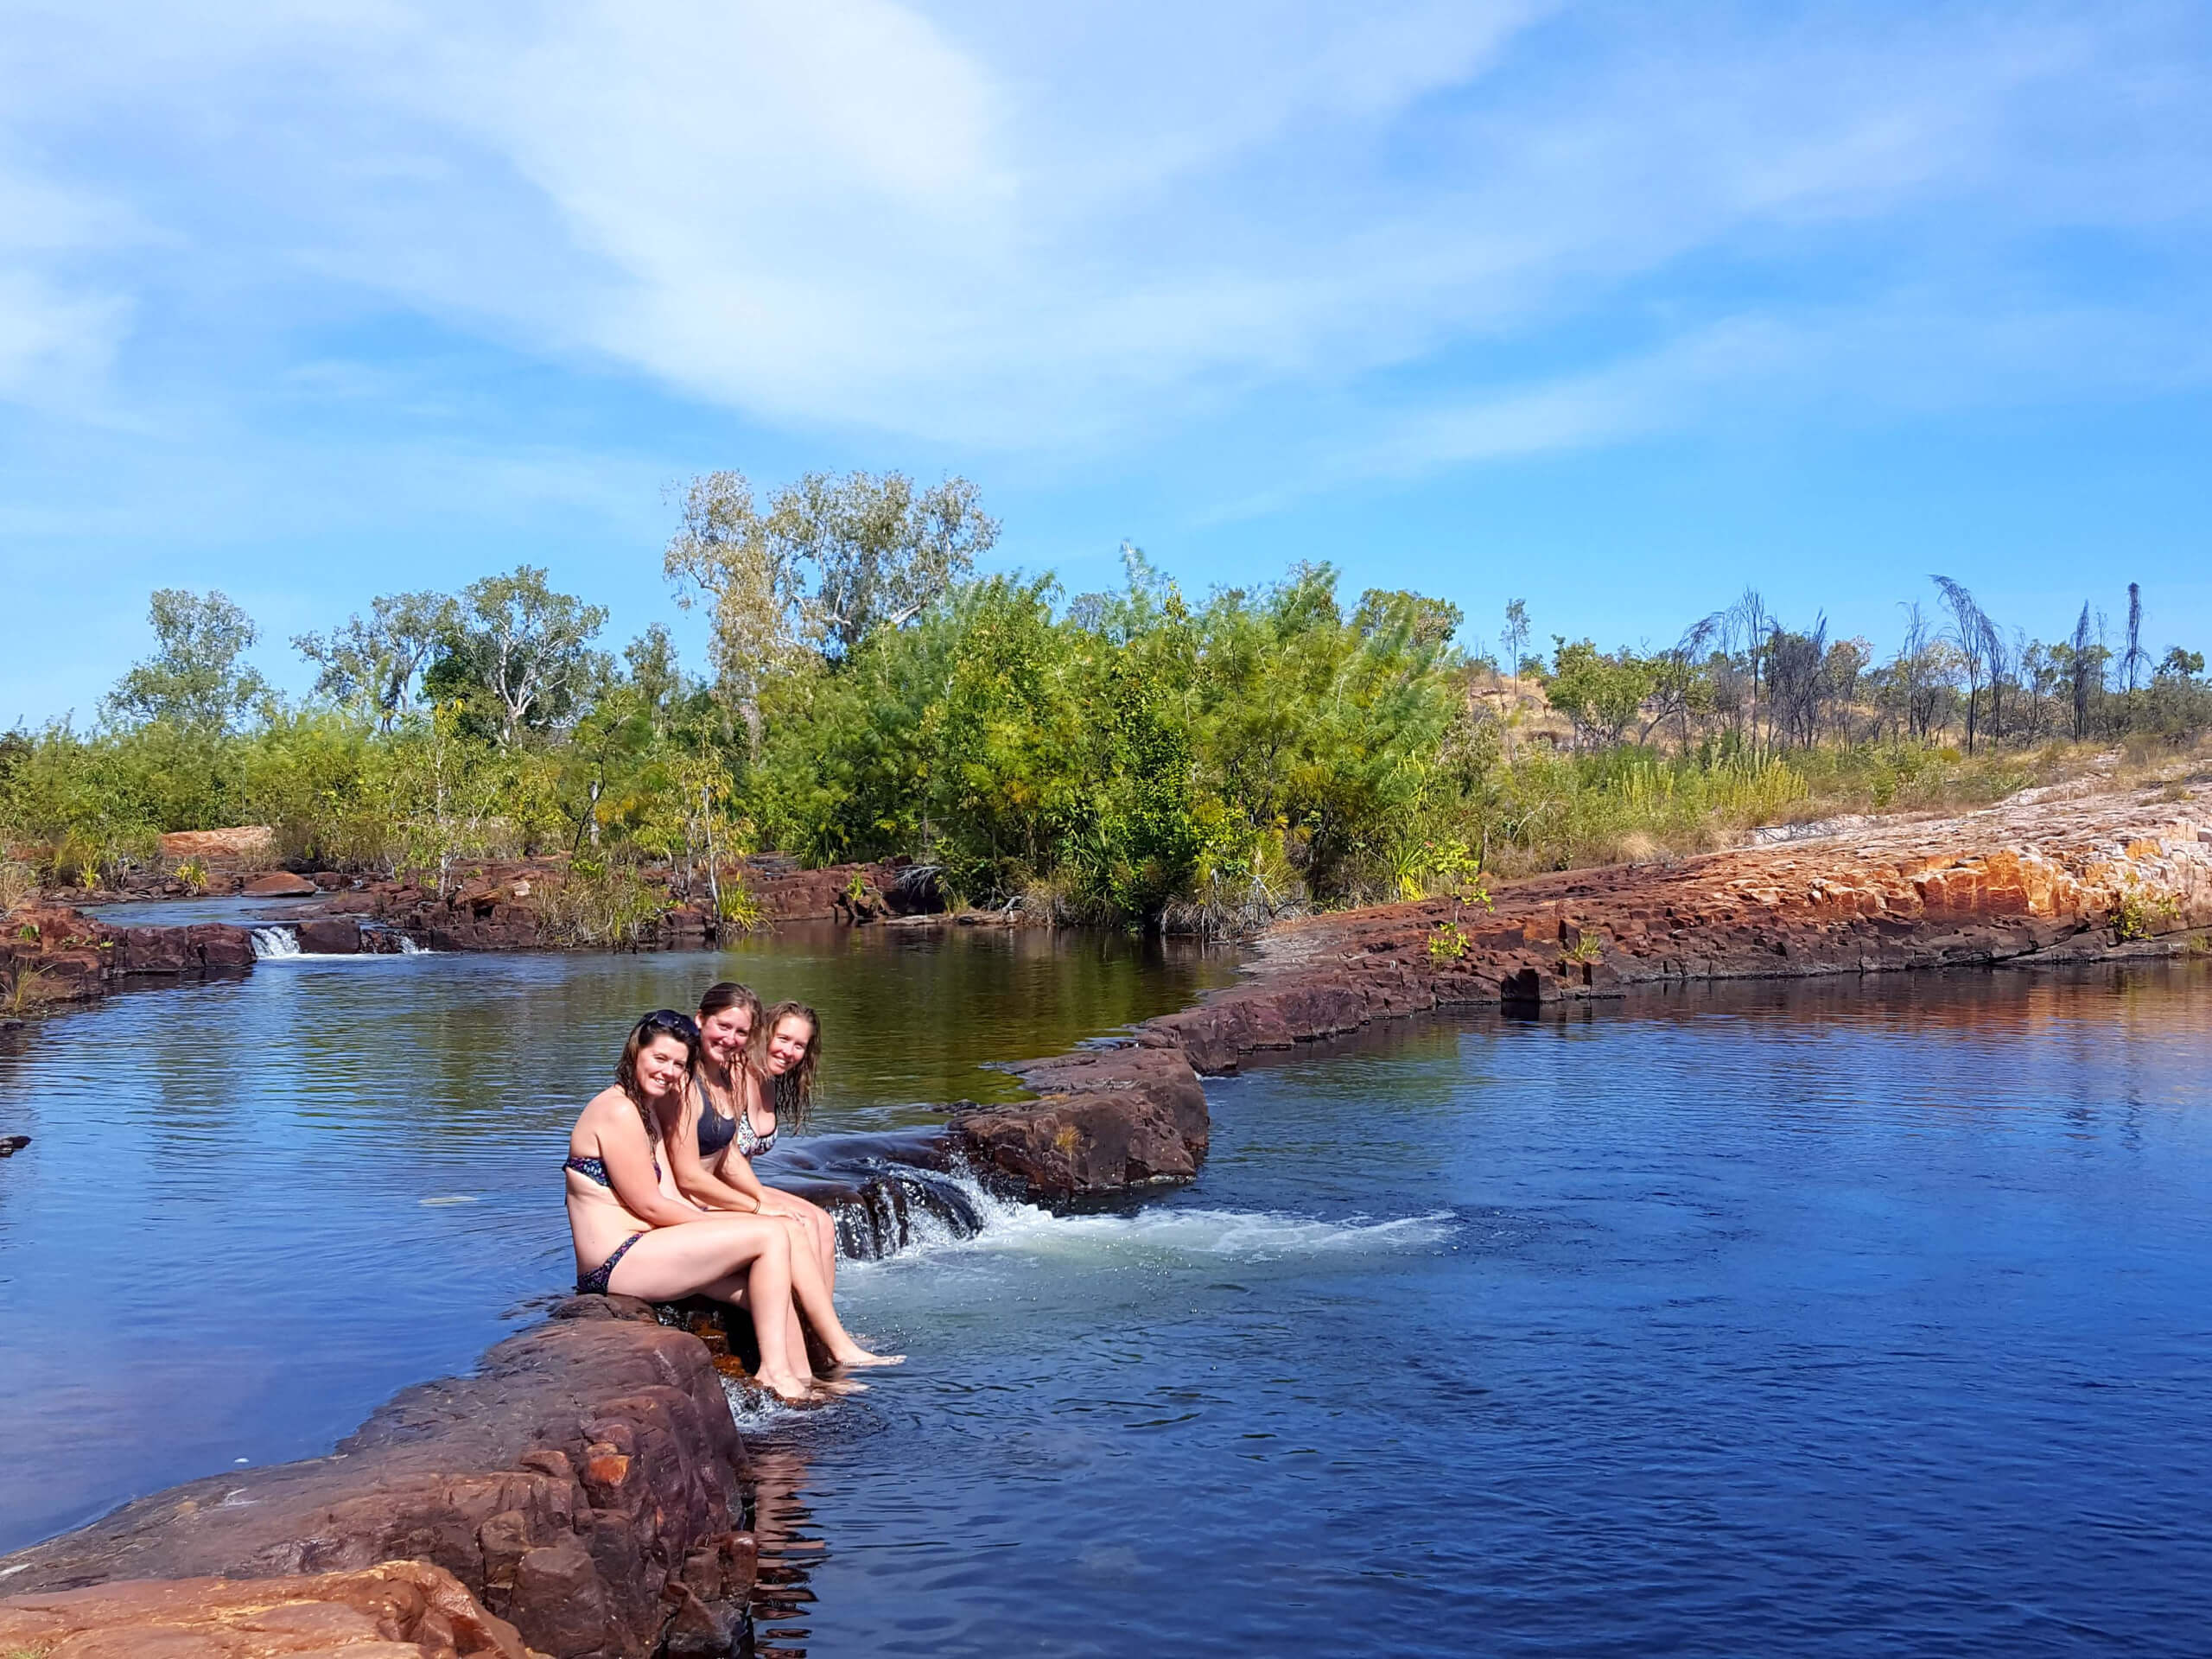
<point>2051,876</point>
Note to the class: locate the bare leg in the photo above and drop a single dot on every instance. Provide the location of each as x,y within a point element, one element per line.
<point>716,1255</point>
<point>822,1228</point>
<point>811,1297</point>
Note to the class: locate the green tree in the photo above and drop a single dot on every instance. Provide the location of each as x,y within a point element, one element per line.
<point>740,560</point>
<point>194,681</point>
<point>1600,693</point>
<point>518,657</point>
<point>374,663</point>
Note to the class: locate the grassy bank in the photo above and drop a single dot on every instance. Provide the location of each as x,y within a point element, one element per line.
<point>1130,756</point>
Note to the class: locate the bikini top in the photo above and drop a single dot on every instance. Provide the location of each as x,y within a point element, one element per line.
<point>594,1169</point>
<point>716,1132</point>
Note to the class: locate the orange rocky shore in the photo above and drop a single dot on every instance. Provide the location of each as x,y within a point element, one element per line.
<point>583,1493</point>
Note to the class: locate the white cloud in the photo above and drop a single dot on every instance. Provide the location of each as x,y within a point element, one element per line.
<point>1030,226</point>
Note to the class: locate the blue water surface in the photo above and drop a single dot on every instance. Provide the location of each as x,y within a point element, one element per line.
<point>1806,1321</point>
<point>1824,1320</point>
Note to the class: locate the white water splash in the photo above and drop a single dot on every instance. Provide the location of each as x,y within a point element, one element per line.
<point>1161,1232</point>
<point>409,948</point>
<point>273,943</point>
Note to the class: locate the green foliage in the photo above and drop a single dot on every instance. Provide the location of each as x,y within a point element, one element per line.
<point>738,910</point>
<point>598,904</point>
<point>1600,693</point>
<point>1133,747</point>
<point>193,680</point>
<point>2137,917</point>
<point>1134,755</point>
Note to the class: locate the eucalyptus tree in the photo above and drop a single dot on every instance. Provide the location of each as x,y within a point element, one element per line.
<point>1976,638</point>
<point>518,656</point>
<point>375,663</point>
<point>2085,671</point>
<point>194,681</point>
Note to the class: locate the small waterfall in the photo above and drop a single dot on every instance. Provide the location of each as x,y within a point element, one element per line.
<point>383,940</point>
<point>888,1192</point>
<point>899,1207</point>
<point>270,942</point>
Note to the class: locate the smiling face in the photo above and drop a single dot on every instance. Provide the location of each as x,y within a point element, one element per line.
<point>724,1033</point>
<point>787,1044</point>
<point>662,1064</point>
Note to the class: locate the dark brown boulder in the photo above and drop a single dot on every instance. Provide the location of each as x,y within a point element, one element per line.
<point>1107,1118</point>
<point>588,1468</point>
<point>330,936</point>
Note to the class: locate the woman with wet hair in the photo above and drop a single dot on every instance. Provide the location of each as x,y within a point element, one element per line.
<point>636,1235</point>
<point>713,1120</point>
<point>780,1067</point>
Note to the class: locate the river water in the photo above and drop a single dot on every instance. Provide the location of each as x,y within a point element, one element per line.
<point>1811,1319</point>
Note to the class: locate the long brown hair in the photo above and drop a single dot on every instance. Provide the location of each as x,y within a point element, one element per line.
<point>725,994</point>
<point>661,1022</point>
<point>795,1089</point>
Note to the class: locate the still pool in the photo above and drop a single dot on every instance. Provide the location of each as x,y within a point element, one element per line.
<point>1812,1320</point>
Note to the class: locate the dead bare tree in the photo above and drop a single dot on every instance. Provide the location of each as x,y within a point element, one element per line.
<point>1974,635</point>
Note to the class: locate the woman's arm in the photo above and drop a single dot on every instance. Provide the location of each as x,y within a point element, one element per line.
<point>628,1155</point>
<point>703,1186</point>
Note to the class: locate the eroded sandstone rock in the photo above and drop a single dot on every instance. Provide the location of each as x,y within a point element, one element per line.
<point>380,1612</point>
<point>580,1485</point>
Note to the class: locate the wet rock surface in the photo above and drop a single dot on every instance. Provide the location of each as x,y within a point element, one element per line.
<point>1108,1118</point>
<point>583,1486</point>
<point>399,1608</point>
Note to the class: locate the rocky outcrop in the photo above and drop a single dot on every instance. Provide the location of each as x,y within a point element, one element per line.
<point>234,852</point>
<point>504,905</point>
<point>382,1612</point>
<point>1107,1118</point>
<point>76,957</point>
<point>583,1486</point>
<point>2044,878</point>
<point>2040,879</point>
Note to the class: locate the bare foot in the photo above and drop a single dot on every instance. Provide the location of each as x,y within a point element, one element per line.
<point>860,1357</point>
<point>788,1387</point>
<point>839,1385</point>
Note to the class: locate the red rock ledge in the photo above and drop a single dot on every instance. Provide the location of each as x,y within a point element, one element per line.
<point>402,1607</point>
<point>582,1488</point>
<point>2042,878</point>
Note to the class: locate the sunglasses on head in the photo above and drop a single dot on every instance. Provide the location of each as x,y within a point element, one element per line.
<point>667,1020</point>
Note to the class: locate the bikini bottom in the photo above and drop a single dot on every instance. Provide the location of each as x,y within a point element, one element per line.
<point>594,1283</point>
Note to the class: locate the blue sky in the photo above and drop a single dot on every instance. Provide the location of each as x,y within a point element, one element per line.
<point>1615,307</point>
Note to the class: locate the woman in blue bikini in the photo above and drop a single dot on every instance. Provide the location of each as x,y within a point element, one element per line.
<point>636,1235</point>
